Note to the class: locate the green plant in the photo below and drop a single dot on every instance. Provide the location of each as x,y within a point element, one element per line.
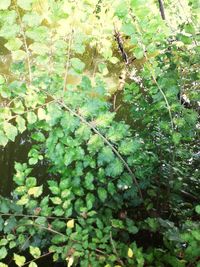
<point>117,175</point>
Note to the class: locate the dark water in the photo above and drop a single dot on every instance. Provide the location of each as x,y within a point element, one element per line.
<point>17,152</point>
<point>14,151</point>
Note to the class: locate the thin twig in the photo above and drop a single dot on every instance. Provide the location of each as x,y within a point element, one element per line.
<point>28,110</point>
<point>42,256</point>
<point>91,126</point>
<point>35,216</point>
<point>115,250</point>
<point>162,11</point>
<point>105,141</point>
<point>152,75</point>
<point>166,101</point>
<point>68,61</point>
<point>25,46</point>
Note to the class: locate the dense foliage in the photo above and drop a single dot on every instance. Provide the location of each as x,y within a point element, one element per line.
<point>108,92</point>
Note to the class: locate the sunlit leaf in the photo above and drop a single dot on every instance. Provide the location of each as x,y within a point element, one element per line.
<point>25,4</point>
<point>70,224</point>
<point>23,200</point>
<point>18,55</point>
<point>35,251</point>
<point>77,64</point>
<point>21,124</point>
<point>35,191</point>
<point>41,114</point>
<point>4,4</point>
<point>14,44</point>
<point>10,131</point>
<point>31,117</point>
<point>3,253</point>
<point>3,139</point>
<point>19,260</point>
<point>130,253</point>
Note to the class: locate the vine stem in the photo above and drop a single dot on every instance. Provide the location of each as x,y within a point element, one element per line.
<point>105,141</point>
<point>25,45</point>
<point>64,235</point>
<point>33,109</point>
<point>166,101</point>
<point>152,74</point>
<point>115,250</point>
<point>35,216</point>
<point>68,60</point>
<point>161,7</point>
<point>91,126</point>
<point>44,255</point>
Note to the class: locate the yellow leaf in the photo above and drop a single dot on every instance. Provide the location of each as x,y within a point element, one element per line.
<point>130,253</point>
<point>70,260</point>
<point>36,191</point>
<point>70,224</point>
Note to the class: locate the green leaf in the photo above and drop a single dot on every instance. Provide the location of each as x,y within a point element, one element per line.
<point>176,138</point>
<point>115,168</point>
<point>38,136</point>
<point>3,242</point>
<point>23,200</point>
<point>197,209</point>
<point>18,55</point>
<point>88,183</point>
<point>32,19</point>
<point>14,44</point>
<point>41,114</point>
<point>3,264</point>
<point>128,29</point>
<point>56,200</point>
<point>139,53</point>
<point>90,199</point>
<point>18,107</point>
<point>4,4</point>
<point>3,253</point>
<point>102,193</point>
<point>58,211</point>
<point>106,155</point>
<point>31,182</point>
<point>19,260</point>
<point>35,252</point>
<point>21,124</point>
<point>32,264</point>
<point>9,31</point>
<point>3,139</point>
<point>33,161</point>
<point>38,34</point>
<point>111,188</point>
<point>25,4</point>
<point>31,117</point>
<point>10,131</point>
<point>77,65</point>
<point>2,79</point>
<point>39,48</point>
<point>95,143</point>
<point>117,224</point>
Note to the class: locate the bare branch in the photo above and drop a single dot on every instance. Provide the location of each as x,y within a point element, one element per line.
<point>162,11</point>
